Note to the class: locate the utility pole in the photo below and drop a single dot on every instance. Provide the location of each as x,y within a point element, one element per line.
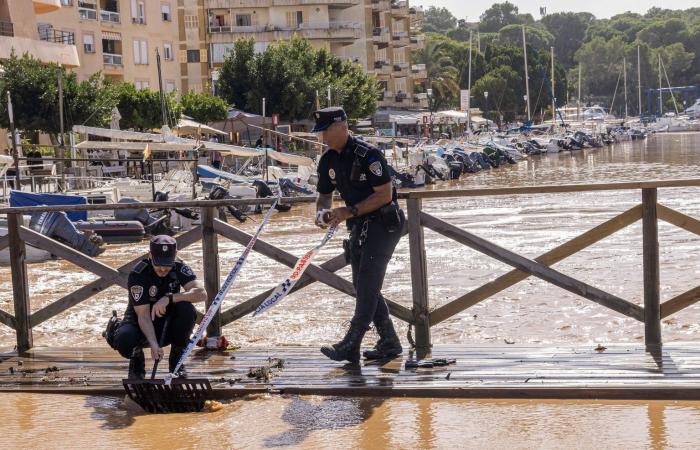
<point>61,147</point>
<point>164,117</point>
<point>527,78</point>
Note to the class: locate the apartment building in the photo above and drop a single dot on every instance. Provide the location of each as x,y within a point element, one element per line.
<point>119,38</point>
<point>393,25</point>
<point>20,33</point>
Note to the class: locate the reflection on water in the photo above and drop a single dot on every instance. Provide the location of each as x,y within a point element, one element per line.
<point>41,421</point>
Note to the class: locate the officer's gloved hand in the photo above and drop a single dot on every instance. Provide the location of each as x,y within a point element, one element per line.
<point>323,217</point>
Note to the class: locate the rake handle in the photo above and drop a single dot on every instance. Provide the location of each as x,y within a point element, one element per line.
<point>160,343</point>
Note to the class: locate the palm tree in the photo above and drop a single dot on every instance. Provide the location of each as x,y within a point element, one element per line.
<point>442,73</point>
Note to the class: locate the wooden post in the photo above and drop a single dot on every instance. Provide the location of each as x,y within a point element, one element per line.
<point>20,286</point>
<point>419,278</point>
<point>210,260</point>
<point>652,308</point>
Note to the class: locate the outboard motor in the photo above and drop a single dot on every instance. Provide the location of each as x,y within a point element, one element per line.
<point>219,193</point>
<point>56,225</point>
<point>455,169</point>
<point>288,187</point>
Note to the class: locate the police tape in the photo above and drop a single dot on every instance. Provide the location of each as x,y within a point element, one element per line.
<point>222,293</point>
<point>283,289</point>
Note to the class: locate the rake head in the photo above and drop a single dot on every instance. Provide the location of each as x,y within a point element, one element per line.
<point>179,395</point>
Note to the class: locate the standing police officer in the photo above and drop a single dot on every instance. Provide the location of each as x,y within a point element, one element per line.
<point>154,297</point>
<point>360,174</point>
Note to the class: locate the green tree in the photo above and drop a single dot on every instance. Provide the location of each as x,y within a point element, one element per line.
<point>204,108</point>
<point>438,20</point>
<point>568,30</point>
<point>235,76</point>
<point>601,64</point>
<point>141,108</point>
<point>501,14</point>
<point>535,36</point>
<point>442,73</point>
<point>34,90</point>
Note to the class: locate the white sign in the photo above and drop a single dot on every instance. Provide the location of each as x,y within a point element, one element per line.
<point>464,100</point>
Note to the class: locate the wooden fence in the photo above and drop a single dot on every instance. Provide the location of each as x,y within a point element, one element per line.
<point>420,315</point>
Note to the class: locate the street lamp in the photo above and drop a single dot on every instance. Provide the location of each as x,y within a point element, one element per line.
<point>486,98</point>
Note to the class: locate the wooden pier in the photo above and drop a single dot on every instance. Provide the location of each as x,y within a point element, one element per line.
<point>481,371</point>
<point>653,370</point>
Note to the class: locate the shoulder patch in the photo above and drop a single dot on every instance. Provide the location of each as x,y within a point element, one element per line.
<point>140,266</point>
<point>136,292</point>
<point>361,150</point>
<point>186,270</point>
<point>376,168</point>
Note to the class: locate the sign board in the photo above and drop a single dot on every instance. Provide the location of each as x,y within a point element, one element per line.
<point>425,119</point>
<point>275,119</point>
<point>464,100</point>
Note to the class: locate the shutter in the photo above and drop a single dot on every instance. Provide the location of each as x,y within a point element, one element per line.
<point>144,52</point>
<point>183,56</point>
<point>291,19</point>
<point>133,9</point>
<point>137,52</point>
<point>203,54</point>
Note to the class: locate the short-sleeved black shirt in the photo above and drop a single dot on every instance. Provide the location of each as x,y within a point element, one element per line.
<point>334,170</point>
<point>146,287</point>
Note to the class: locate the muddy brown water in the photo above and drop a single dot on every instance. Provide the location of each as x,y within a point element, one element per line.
<point>529,312</point>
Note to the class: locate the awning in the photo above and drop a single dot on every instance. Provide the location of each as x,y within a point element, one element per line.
<point>111,36</point>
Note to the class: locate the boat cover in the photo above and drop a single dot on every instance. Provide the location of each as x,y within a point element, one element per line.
<point>18,198</point>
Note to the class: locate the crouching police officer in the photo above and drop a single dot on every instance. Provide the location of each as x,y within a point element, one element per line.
<point>360,174</point>
<point>154,299</point>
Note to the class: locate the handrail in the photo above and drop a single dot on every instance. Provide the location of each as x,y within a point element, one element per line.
<point>552,189</point>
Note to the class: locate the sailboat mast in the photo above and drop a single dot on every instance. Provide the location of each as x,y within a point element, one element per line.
<point>554,106</point>
<point>527,78</point>
<point>578,101</point>
<point>639,81</point>
<point>469,87</point>
<point>661,107</point>
<point>624,70</point>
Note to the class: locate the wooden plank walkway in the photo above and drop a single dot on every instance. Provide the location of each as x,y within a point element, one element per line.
<point>623,371</point>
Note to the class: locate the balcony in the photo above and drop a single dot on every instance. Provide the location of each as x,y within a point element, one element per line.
<point>339,32</point>
<point>381,37</point>
<point>418,71</point>
<point>417,42</point>
<point>109,16</point>
<point>416,14</point>
<point>400,39</point>
<point>400,9</point>
<point>400,70</point>
<point>7,28</point>
<point>382,68</point>
<point>57,36</point>
<point>46,52</point>
<point>111,59</point>
<point>87,11</point>
<point>228,4</point>
<point>337,4</point>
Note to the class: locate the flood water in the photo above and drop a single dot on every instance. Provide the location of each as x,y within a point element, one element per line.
<point>529,312</point>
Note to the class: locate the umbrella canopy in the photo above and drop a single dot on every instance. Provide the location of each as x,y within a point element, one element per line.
<point>187,125</point>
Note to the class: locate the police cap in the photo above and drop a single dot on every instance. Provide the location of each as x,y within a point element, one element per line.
<point>328,116</point>
<point>163,250</point>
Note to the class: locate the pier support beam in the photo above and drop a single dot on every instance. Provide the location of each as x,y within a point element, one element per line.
<point>419,279</point>
<point>650,239</point>
<point>20,285</point>
<point>210,263</point>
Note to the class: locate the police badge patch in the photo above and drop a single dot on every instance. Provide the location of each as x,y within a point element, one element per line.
<point>152,291</point>
<point>186,270</point>
<point>376,168</point>
<point>136,292</point>
<point>331,173</point>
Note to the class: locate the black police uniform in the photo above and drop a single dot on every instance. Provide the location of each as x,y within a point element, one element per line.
<point>146,288</point>
<point>354,172</point>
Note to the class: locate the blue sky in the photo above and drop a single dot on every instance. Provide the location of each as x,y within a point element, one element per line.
<point>472,9</point>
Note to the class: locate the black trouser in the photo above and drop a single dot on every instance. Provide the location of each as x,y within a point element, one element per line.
<point>182,319</point>
<point>369,254</point>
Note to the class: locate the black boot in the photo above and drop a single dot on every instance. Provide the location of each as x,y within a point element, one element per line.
<point>175,354</point>
<point>349,348</point>
<point>137,364</point>
<point>388,345</point>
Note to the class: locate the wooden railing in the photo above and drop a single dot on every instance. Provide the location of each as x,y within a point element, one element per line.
<point>420,315</point>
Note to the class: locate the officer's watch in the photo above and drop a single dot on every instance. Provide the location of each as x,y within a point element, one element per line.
<point>354,211</point>
<point>170,299</point>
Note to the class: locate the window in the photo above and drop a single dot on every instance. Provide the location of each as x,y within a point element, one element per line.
<point>142,84</point>
<point>87,9</point>
<point>400,84</point>
<point>88,43</point>
<point>399,56</point>
<point>165,12</point>
<point>192,56</point>
<point>243,20</point>
<point>140,51</point>
<point>191,22</point>
<point>168,51</point>
<point>295,19</point>
<point>138,11</point>
<point>67,2</point>
<point>169,86</point>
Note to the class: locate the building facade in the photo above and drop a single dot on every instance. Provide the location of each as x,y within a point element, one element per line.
<point>120,37</point>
